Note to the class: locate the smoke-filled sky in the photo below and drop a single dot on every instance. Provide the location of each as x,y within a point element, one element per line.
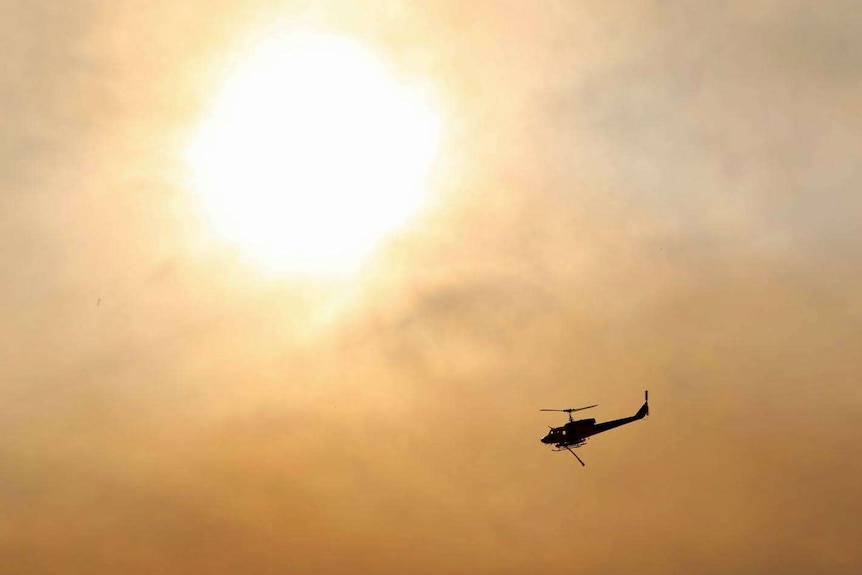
<point>628,195</point>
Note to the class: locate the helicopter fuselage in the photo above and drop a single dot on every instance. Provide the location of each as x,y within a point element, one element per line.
<point>575,433</point>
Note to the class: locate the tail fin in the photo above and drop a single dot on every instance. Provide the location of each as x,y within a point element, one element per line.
<point>644,410</point>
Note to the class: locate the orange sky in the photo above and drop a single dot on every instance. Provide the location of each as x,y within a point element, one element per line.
<point>630,195</point>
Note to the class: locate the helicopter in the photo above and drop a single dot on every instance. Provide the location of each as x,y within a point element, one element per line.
<point>576,432</point>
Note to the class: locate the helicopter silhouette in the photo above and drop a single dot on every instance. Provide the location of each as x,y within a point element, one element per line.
<point>575,433</point>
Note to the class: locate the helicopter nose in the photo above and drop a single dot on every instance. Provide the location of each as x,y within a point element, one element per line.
<point>546,439</point>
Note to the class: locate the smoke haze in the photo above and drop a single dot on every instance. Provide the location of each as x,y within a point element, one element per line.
<point>631,195</point>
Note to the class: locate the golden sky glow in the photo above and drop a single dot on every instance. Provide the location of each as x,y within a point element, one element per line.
<point>222,352</point>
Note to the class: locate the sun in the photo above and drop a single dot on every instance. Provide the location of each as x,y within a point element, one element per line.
<point>312,153</point>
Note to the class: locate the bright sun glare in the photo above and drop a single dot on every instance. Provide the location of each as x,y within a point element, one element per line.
<point>312,153</point>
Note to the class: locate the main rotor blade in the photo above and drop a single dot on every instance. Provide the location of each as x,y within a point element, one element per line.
<point>571,409</point>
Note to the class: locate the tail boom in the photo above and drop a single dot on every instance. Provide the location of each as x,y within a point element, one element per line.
<point>607,425</point>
